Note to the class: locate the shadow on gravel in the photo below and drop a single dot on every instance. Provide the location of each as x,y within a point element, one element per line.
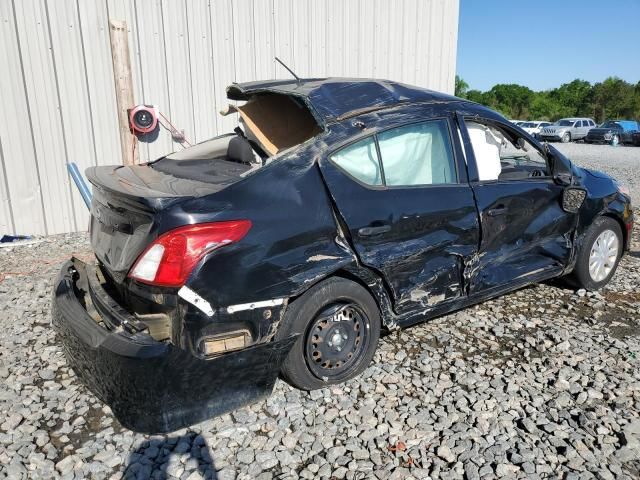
<point>171,457</point>
<point>635,254</point>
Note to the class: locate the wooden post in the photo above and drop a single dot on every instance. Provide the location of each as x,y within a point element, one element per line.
<point>124,87</point>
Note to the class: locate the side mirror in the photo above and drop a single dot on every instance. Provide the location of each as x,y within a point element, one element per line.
<point>573,198</point>
<point>521,143</point>
<point>564,179</point>
<point>561,175</point>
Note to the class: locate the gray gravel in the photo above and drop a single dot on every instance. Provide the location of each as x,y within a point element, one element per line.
<point>541,383</point>
<point>622,162</point>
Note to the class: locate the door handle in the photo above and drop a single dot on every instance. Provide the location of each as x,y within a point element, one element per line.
<point>494,212</point>
<point>369,231</point>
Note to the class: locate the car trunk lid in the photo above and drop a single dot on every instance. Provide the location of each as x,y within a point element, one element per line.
<point>129,201</point>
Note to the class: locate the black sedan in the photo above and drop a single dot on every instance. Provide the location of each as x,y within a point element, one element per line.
<point>338,208</point>
<point>614,132</point>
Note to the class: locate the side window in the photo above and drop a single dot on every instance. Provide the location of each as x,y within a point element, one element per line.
<point>417,154</point>
<point>502,155</point>
<point>361,161</point>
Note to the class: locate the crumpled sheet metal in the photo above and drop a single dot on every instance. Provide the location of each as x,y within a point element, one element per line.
<point>154,387</point>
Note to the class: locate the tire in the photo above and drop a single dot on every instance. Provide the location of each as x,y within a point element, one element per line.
<point>335,308</point>
<point>583,277</point>
<point>566,138</point>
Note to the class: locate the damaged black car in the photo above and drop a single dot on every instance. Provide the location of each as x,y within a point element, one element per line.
<point>338,208</point>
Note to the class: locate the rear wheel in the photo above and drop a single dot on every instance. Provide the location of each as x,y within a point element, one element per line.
<point>566,138</point>
<point>339,323</point>
<point>599,255</point>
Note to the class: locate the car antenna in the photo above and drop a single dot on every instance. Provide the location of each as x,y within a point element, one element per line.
<point>288,69</point>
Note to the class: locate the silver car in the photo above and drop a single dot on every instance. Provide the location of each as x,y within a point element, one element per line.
<point>567,129</point>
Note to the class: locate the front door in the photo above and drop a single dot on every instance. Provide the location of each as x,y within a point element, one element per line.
<point>409,211</point>
<point>525,233</point>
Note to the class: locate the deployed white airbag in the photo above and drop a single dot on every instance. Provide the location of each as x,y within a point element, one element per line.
<point>486,148</point>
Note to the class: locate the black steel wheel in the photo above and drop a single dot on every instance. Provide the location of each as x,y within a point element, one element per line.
<point>336,340</point>
<point>339,325</point>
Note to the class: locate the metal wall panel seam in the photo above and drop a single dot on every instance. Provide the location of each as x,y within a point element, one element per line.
<point>188,53</point>
<point>61,116</point>
<point>94,31</point>
<point>8,210</point>
<point>86,81</point>
<point>31,131</point>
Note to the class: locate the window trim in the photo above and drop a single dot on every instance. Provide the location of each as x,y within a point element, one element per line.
<point>483,120</point>
<point>375,134</point>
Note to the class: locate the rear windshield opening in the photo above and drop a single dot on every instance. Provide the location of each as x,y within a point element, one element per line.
<point>268,124</point>
<point>277,122</point>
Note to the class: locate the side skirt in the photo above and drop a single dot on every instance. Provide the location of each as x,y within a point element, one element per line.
<point>421,316</point>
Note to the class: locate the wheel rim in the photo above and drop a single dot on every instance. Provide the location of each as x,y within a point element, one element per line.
<point>603,256</point>
<point>565,138</point>
<point>336,341</point>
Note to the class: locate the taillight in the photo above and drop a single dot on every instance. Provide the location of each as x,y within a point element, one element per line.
<point>168,261</point>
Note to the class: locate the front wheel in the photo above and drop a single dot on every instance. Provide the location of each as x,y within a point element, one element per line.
<point>566,138</point>
<point>339,325</point>
<point>599,254</point>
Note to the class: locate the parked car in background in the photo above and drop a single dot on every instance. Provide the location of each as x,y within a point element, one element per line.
<point>211,277</point>
<point>614,132</point>
<point>567,130</point>
<point>533,128</point>
<point>518,122</point>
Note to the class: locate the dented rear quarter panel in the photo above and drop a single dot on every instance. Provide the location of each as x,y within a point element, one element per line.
<point>292,242</point>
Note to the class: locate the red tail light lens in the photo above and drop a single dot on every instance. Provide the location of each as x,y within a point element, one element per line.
<point>168,261</point>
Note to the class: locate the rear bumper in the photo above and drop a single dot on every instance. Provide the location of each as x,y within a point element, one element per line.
<point>151,386</point>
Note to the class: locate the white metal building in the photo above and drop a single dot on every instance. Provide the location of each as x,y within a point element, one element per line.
<point>57,93</point>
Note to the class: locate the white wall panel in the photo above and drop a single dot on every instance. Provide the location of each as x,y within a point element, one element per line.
<point>22,195</point>
<point>263,35</point>
<point>177,51</point>
<point>101,103</point>
<point>221,15</point>
<point>75,106</point>
<point>202,72</point>
<point>58,103</point>
<point>48,132</point>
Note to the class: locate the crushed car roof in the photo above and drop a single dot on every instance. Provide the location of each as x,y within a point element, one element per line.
<point>334,98</point>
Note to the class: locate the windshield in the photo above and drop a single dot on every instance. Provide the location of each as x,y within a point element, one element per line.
<point>528,125</point>
<point>610,125</point>
<point>564,123</point>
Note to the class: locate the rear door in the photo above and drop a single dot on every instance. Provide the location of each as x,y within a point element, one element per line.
<point>525,233</point>
<point>410,213</point>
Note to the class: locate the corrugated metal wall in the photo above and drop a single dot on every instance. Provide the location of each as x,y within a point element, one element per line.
<point>57,95</point>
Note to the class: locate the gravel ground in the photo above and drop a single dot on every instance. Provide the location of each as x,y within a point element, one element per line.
<point>622,162</point>
<point>541,383</point>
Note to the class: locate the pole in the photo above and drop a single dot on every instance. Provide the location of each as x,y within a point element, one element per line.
<point>124,86</point>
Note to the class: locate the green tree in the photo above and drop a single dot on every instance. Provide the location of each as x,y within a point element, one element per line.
<point>461,87</point>
<point>475,96</point>
<point>613,98</point>
<point>511,100</point>
<point>610,99</point>
<point>572,99</point>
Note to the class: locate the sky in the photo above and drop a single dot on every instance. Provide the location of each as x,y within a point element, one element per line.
<point>544,43</point>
